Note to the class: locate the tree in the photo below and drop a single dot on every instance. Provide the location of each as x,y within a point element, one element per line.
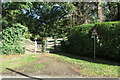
<point>12,31</point>
<point>84,13</point>
<point>49,16</point>
<point>12,12</point>
<point>112,11</point>
<point>100,12</point>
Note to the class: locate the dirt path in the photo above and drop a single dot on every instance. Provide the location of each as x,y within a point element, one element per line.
<point>53,68</point>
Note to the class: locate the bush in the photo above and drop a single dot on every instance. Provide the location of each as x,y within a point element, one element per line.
<point>79,40</point>
<point>28,35</point>
<point>11,39</point>
<point>34,37</point>
<point>108,45</point>
<point>108,42</point>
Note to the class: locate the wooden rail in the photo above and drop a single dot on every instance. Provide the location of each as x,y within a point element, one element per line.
<point>50,43</point>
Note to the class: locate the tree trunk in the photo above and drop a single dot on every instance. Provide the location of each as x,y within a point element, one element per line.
<point>118,14</point>
<point>100,12</point>
<point>86,12</point>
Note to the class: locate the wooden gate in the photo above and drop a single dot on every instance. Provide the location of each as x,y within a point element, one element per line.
<point>50,43</point>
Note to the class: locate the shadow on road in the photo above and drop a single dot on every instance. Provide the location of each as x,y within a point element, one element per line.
<point>23,74</point>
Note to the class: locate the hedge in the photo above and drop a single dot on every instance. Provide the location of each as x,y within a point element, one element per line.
<point>108,45</point>
<point>80,41</point>
<point>108,40</point>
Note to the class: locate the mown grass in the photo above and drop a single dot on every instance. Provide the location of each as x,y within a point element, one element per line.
<point>91,69</point>
<point>16,61</point>
<point>36,67</point>
<point>87,68</point>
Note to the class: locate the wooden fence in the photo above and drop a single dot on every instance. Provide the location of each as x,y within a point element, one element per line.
<point>50,43</point>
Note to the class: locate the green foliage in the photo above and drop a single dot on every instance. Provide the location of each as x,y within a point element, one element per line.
<point>11,43</point>
<point>108,45</point>
<point>28,35</point>
<point>112,11</point>
<point>80,41</point>
<point>12,12</point>
<point>48,18</point>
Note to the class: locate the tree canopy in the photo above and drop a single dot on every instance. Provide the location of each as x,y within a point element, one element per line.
<point>55,18</point>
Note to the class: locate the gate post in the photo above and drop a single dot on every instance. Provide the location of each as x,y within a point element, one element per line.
<point>35,46</point>
<point>55,41</point>
<point>44,44</point>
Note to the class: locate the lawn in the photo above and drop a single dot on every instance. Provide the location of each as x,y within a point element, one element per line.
<point>87,68</point>
<point>92,69</point>
<point>18,61</point>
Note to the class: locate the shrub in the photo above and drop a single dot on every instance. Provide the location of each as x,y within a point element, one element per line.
<point>108,45</point>
<point>80,41</point>
<point>28,35</point>
<point>11,39</point>
<point>108,42</point>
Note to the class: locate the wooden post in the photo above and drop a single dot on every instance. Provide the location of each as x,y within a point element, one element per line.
<point>35,46</point>
<point>44,45</point>
<point>55,41</point>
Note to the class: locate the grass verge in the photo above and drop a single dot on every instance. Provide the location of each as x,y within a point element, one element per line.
<point>16,61</point>
<point>91,69</point>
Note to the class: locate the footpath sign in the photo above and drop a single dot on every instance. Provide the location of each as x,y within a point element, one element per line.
<point>94,34</point>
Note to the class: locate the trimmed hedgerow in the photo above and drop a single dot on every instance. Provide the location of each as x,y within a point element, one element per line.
<point>108,45</point>
<point>108,40</point>
<point>80,41</point>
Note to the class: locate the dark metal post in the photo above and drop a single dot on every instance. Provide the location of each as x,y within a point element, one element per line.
<point>94,46</point>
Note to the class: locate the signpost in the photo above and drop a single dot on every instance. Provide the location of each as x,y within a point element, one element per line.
<point>94,34</point>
